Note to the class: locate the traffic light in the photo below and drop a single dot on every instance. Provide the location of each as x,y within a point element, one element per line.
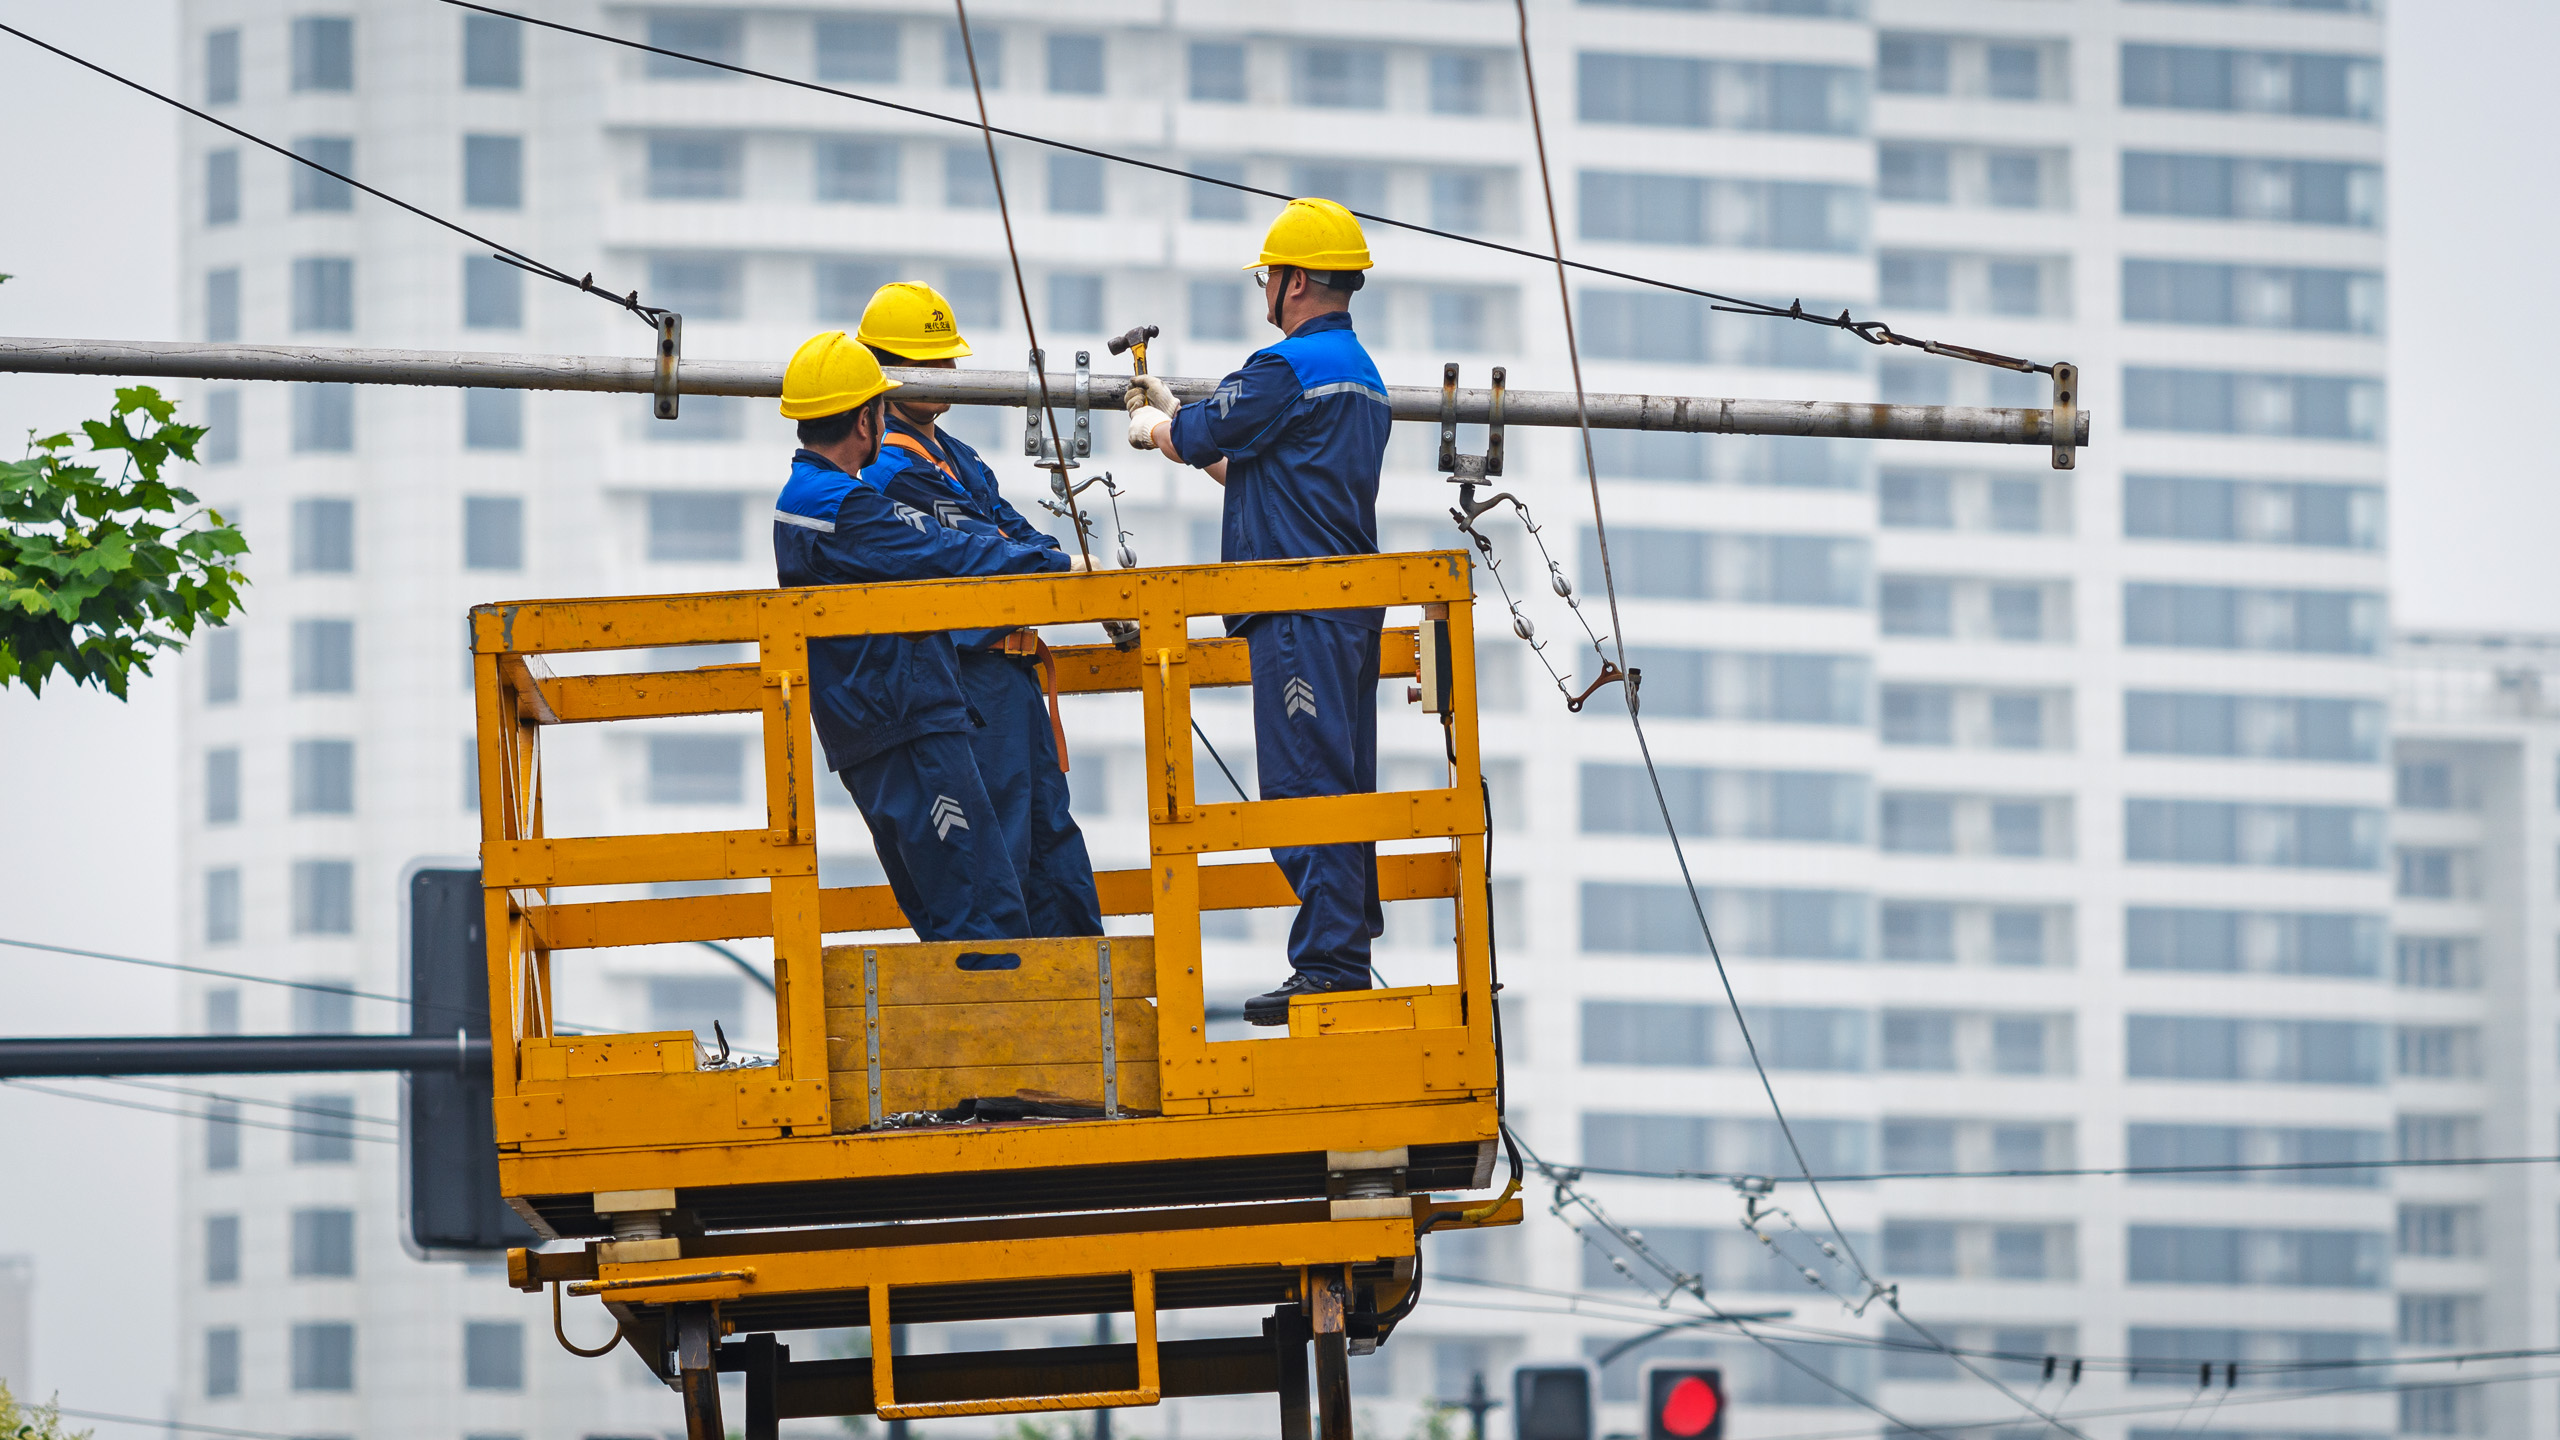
<point>1683,1402</point>
<point>1551,1402</point>
<point>447,1129</point>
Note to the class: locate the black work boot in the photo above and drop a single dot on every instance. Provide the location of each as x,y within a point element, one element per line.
<point>1273,1009</point>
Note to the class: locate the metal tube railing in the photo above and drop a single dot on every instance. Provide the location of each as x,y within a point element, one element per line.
<point>1705,415</point>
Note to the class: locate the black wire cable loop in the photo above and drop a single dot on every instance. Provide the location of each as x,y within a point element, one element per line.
<point>506,253</point>
<point>1874,332</point>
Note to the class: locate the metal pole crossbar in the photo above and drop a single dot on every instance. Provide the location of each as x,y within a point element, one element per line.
<point>638,375</point>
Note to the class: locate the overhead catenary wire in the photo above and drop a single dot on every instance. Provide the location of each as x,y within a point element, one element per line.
<point>1591,469</point>
<point>2136,1171</point>
<point>1874,332</point>
<point>210,1118</point>
<point>2179,1406</point>
<point>1065,492</point>
<point>188,1426</point>
<point>321,1112</point>
<point>506,253</point>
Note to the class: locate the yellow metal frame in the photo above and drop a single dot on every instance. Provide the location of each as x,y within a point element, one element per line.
<point>579,1114</point>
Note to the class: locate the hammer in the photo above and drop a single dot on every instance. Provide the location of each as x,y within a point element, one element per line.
<point>1134,344</point>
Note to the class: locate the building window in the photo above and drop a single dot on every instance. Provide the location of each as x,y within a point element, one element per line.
<point>221,187</point>
<point>492,532</point>
<point>222,1010</point>
<point>987,45</point>
<point>845,287</point>
<point>324,1243</point>
<point>696,526</point>
<point>710,37</point>
<point>1339,77</point>
<point>324,777</point>
<point>1457,321</point>
<point>314,191</point>
<point>222,67</point>
<point>324,897</point>
<point>1457,84</point>
<point>1457,200</point>
<point>2439,1052</point>
<point>492,53</point>
<point>1216,202</point>
<point>492,294</point>
<point>222,427</point>
<point>493,419</point>
<point>1800,805</point>
<point>1217,71</point>
<point>2276,727</point>
<point>1075,185</point>
<point>1914,173</point>
<point>700,287</point>
<point>863,172</point>
<point>221,1249</point>
<point>2218,832</point>
<point>324,53</point>
<point>322,1008</point>
<point>697,769</point>
<point>857,47</point>
<point>324,293</point>
<point>2444,1232</point>
<point>2434,872</point>
<point>967,181</point>
<point>1217,310</point>
<point>2217,1255</point>
<point>326,1128</point>
<point>324,657</point>
<point>222,786</point>
<point>222,304</point>
<point>2423,785</point>
<point>493,171</point>
<point>1738,95</point>
<point>2291,1052</point>
<point>2311,513</point>
<point>2188,77</point>
<point>1650,209</point>
<point>221,1135</point>
<point>222,1343</point>
<point>1075,65</point>
<point>696,167</point>
<point>222,906</point>
<point>324,1355</point>
<point>2245,187</point>
<point>2436,962</point>
<point>2234,941</point>
<point>1075,304</point>
<point>324,418</point>
<point>2215,617</point>
<point>1773,923</point>
<point>2264,297</point>
<point>2224,402</point>
<point>492,1355</point>
<point>324,536</point>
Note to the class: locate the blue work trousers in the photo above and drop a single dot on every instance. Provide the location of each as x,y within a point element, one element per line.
<point>1018,761</point>
<point>938,840</point>
<point>1315,732</point>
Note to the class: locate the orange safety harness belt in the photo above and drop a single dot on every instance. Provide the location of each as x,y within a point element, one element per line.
<point>1016,642</point>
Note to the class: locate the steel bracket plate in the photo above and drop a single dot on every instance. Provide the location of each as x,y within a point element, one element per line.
<point>1203,1077</point>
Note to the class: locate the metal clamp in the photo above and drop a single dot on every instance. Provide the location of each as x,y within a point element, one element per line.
<point>1110,1036</point>
<point>871,1026</point>
<point>1038,446</point>
<point>1468,469</point>
<point>670,351</point>
<point>2066,412</point>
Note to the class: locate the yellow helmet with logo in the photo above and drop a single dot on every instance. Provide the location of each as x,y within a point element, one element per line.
<point>1314,235</point>
<point>913,321</point>
<point>828,375</point>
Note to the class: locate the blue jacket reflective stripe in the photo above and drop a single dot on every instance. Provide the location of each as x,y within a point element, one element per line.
<point>1303,429</point>
<point>870,693</point>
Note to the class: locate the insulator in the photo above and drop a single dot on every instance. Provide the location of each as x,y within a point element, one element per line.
<point>1128,557</point>
<point>1521,627</point>
<point>1564,587</point>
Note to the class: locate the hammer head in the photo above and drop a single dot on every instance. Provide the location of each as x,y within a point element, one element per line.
<point>1136,338</point>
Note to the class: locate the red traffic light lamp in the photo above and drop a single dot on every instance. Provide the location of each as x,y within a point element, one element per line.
<point>1684,1403</point>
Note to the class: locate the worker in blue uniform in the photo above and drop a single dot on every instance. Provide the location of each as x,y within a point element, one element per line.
<point>889,709</point>
<point>1297,437</point>
<point>1020,743</point>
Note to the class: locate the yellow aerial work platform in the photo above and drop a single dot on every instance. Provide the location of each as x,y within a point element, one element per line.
<point>718,1201</point>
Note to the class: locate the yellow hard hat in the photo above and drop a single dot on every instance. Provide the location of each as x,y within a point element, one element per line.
<point>1314,235</point>
<point>913,321</point>
<point>828,375</point>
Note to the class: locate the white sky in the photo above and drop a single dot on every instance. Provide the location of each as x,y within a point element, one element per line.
<point>89,174</point>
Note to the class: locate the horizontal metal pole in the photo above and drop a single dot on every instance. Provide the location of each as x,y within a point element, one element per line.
<point>1705,415</point>
<point>236,1054</point>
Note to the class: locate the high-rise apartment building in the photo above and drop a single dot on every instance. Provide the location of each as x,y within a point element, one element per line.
<point>2046,818</point>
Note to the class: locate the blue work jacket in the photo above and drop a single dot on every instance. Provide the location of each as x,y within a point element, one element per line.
<point>1303,429</point>
<point>971,503</point>
<point>871,693</point>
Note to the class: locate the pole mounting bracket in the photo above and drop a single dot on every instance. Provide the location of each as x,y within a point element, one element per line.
<point>1468,469</point>
<point>670,328</point>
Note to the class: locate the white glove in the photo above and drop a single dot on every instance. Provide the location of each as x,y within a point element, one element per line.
<point>1079,564</point>
<point>1142,426</point>
<point>1148,390</point>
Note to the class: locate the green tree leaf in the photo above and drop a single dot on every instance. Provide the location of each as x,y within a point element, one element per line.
<point>99,576</point>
